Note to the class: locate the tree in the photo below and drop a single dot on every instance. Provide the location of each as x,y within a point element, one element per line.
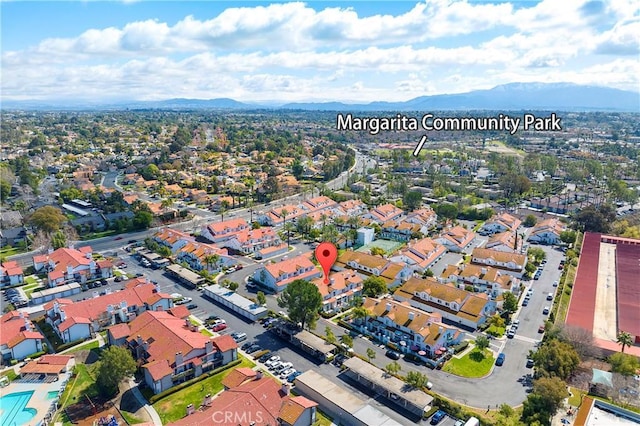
<point>371,354</point>
<point>568,237</point>
<point>412,200</point>
<point>303,300</point>
<point>482,343</point>
<point>116,363</point>
<point>416,379</point>
<point>544,400</point>
<point>233,286</point>
<point>58,240</point>
<point>624,339</point>
<point>530,221</point>
<point>374,286</point>
<point>447,211</point>
<point>261,298</point>
<point>211,259</point>
<point>142,219</point>
<point>580,338</point>
<point>624,364</point>
<point>329,336</point>
<point>48,219</point>
<point>377,251</point>
<point>556,358</point>
<point>393,368</point>
<point>346,340</point>
<point>360,313</point>
<point>496,321</point>
<point>595,219</point>
<point>510,303</point>
<point>5,190</point>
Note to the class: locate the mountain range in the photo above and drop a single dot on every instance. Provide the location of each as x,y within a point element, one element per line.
<point>512,96</point>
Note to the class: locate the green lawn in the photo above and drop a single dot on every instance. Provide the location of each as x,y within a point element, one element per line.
<point>10,251</point>
<point>173,407</point>
<point>322,419</point>
<point>130,418</point>
<point>86,347</point>
<point>83,384</point>
<point>473,364</point>
<point>11,375</point>
<point>30,280</point>
<point>576,396</point>
<point>496,331</point>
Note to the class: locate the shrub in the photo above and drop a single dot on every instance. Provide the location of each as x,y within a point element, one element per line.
<point>460,347</point>
<point>260,353</point>
<point>66,346</point>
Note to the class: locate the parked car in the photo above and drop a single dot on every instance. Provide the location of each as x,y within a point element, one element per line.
<point>529,363</point>
<point>264,358</point>
<point>545,310</point>
<point>541,329</point>
<point>511,333</point>
<point>550,296</point>
<point>238,336</point>
<point>246,346</point>
<point>438,417</point>
<point>292,376</point>
<point>254,348</point>
<point>500,359</point>
<point>392,354</point>
<point>219,327</point>
<point>525,302</point>
<point>555,283</point>
<point>274,365</point>
<point>285,373</point>
<point>192,306</point>
<point>271,360</point>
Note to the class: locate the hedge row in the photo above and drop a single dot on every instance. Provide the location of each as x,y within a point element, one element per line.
<point>456,410</point>
<point>66,346</point>
<point>460,347</point>
<point>155,398</point>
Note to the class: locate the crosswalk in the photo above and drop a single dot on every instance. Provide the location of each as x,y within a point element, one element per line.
<point>526,339</point>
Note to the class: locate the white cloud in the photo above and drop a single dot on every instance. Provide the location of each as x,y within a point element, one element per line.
<point>291,51</point>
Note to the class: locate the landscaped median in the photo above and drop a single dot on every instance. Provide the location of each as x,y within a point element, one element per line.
<point>473,364</point>
<point>171,405</point>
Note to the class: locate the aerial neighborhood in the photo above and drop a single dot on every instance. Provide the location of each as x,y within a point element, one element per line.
<point>203,286</point>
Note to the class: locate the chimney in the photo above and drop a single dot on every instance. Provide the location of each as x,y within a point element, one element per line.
<point>285,388</point>
<point>440,329</point>
<point>258,374</point>
<point>208,347</point>
<point>332,281</point>
<point>179,359</point>
<point>27,324</point>
<point>388,307</point>
<point>411,316</point>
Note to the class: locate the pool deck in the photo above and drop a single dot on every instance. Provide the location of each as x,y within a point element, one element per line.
<point>38,400</point>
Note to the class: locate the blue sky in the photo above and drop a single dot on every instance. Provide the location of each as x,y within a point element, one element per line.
<point>315,51</point>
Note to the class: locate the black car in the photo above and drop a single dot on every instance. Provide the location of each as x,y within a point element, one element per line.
<point>393,354</point>
<point>265,357</point>
<point>246,346</point>
<point>192,306</point>
<point>253,348</point>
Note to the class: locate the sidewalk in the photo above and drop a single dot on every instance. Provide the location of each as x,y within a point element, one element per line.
<point>144,403</point>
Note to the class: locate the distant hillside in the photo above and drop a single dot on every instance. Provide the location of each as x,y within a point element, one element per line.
<point>513,96</point>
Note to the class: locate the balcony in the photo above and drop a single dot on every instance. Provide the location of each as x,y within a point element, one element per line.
<point>184,375</point>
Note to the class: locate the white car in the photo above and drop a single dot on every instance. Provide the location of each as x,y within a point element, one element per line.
<point>287,372</point>
<point>271,360</point>
<point>274,365</point>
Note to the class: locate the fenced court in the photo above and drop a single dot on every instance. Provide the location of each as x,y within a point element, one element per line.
<point>387,245</point>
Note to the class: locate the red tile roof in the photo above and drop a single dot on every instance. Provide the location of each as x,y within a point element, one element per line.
<point>73,321</point>
<point>119,331</point>
<point>180,311</point>
<point>225,343</point>
<point>238,376</point>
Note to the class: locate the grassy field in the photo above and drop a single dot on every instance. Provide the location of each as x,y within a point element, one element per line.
<point>86,347</point>
<point>563,304</point>
<point>322,419</point>
<point>473,364</point>
<point>130,418</point>
<point>173,407</point>
<point>83,384</point>
<point>30,280</point>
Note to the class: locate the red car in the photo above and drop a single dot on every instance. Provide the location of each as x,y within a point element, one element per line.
<point>541,329</point>
<point>219,327</point>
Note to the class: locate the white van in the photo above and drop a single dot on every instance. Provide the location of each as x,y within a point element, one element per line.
<point>472,422</point>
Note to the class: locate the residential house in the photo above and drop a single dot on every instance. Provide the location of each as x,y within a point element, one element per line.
<point>420,255</point>
<point>258,400</point>
<point>11,273</point>
<point>384,213</point>
<point>277,216</point>
<point>80,320</point>
<point>276,276</point>
<point>424,217</point>
<point>352,207</point>
<point>319,203</point>
<point>505,241</point>
<point>221,231</point>
<point>12,236</point>
<point>18,337</point>
<point>457,306</point>
<point>456,239</point>
<point>251,241</point>
<point>173,239</point>
<point>500,223</point>
<point>339,293</point>
<point>547,232</point>
<point>201,256</point>
<point>171,350</point>
<point>483,279</point>
<point>400,231</point>
<point>406,328</point>
<point>67,264</point>
<point>511,263</point>
<point>391,272</point>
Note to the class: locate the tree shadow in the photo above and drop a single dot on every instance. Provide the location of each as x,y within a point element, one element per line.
<point>476,356</point>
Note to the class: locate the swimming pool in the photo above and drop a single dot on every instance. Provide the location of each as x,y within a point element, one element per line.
<point>13,409</point>
<point>52,394</point>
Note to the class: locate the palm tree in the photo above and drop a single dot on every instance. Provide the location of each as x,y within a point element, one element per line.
<point>211,259</point>
<point>359,314</point>
<point>224,206</point>
<point>284,213</point>
<point>324,220</point>
<point>625,339</point>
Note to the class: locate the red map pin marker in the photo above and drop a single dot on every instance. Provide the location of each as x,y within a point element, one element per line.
<point>326,253</point>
